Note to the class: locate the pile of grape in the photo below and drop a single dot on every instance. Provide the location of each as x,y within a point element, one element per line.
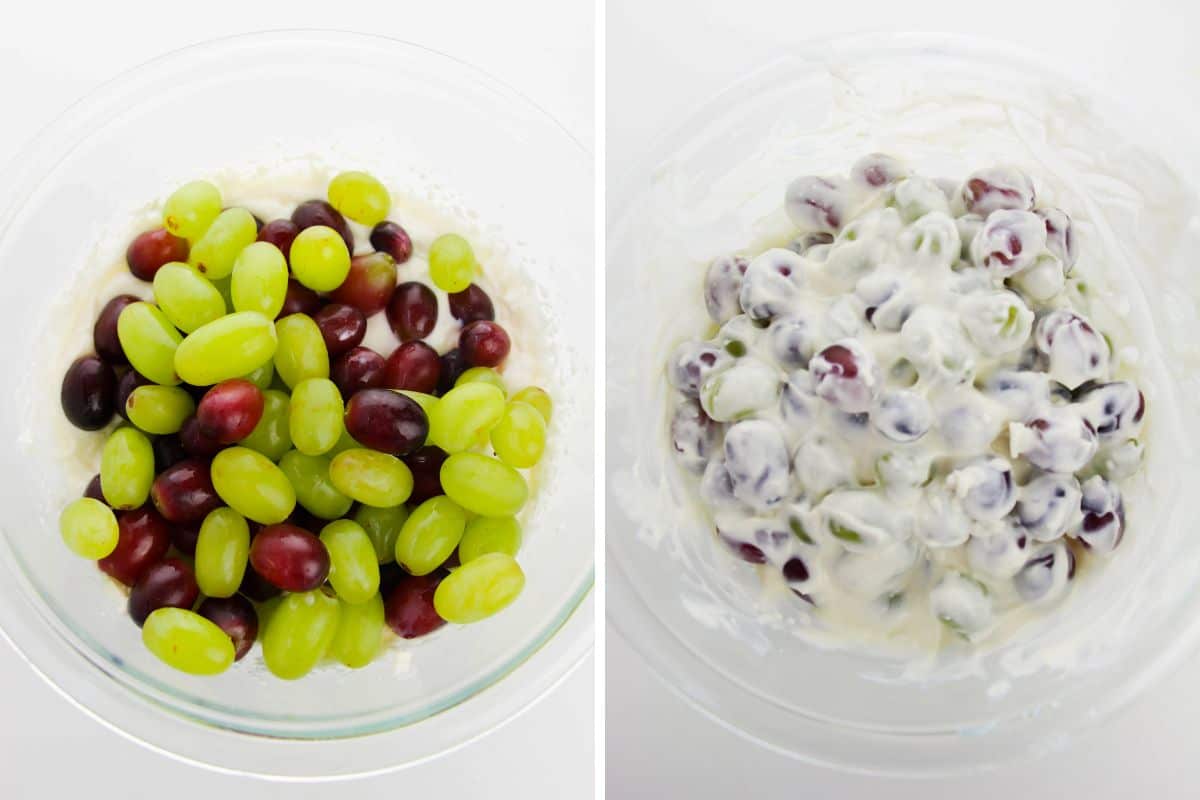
<point>270,467</point>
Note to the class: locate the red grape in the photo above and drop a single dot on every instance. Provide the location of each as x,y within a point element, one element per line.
<point>89,393</point>
<point>229,411</point>
<point>426,467</point>
<point>318,212</point>
<point>408,607</point>
<point>184,536</point>
<point>452,366</point>
<point>471,304</point>
<point>370,283</point>
<point>104,332</point>
<point>386,421</point>
<point>483,344</point>
<point>184,493</point>
<point>388,237</point>
<point>236,616</point>
<point>299,300</point>
<point>168,451</point>
<point>358,369</point>
<point>150,250</point>
<point>256,587</point>
<point>143,539</point>
<point>414,366</point>
<point>195,442</point>
<point>290,557</point>
<point>168,584</point>
<point>93,489</point>
<point>279,232</point>
<point>412,312</point>
<point>342,327</point>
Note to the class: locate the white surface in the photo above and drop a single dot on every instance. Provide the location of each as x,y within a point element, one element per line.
<point>49,57</point>
<point>657,746</point>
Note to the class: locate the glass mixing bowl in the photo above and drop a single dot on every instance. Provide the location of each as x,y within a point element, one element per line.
<point>695,613</point>
<point>407,114</point>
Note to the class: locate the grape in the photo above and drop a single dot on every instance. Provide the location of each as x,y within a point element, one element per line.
<point>485,535</point>
<point>996,189</point>
<point>902,415</point>
<point>694,435</point>
<point>471,304</point>
<point>520,436</point>
<point>877,169</point>
<point>319,258</point>
<point>538,398</point>
<point>369,284</point>
<point>184,537</point>
<point>104,332</point>
<point>386,421</point>
<point>222,550</point>
<point>482,375</point>
<point>757,459</point>
<point>692,363</point>
<point>1009,242</point>
<point>315,416</point>
<point>414,366</point>
<point>817,205</point>
<point>425,401</point>
<point>408,607</point>
<point>143,539</point>
<point>465,415</point>
<point>126,468</point>
<point>309,476</point>
<point>93,490</point>
<point>167,584</point>
<point>484,344</point>
<point>1076,352</point>
<point>289,557</point>
<point>301,353</point>
<point>213,254</point>
<point>230,411</point>
<point>426,467</point>
<point>299,299</point>
<point>130,381</point>
<point>357,369</point>
<point>388,237</point>
<point>194,442</point>
<point>372,478</point>
<point>256,587</point>
<point>360,197</point>
<point>451,263</point>
<point>359,635</point>
<point>236,617</point>
<point>150,250</point>
<point>345,442</point>
<point>252,485</point>
<point>723,287</point>
<point>149,341</point>
<point>1060,238</point>
<point>772,284</point>
<point>412,311</point>
<point>1057,441</point>
<point>88,394</point>
<point>259,281</point>
<point>845,376</point>
<point>452,367</point>
<point>229,347</point>
<point>89,528</point>
<point>354,567</point>
<point>262,377</point>
<point>184,492</point>
<point>191,209</point>
<point>279,232</point>
<point>318,212</point>
<point>483,485</point>
<point>479,589</point>
<point>159,410</point>
<point>299,633</point>
<point>984,488</point>
<point>430,535</point>
<point>342,327</point>
<point>186,297</point>
<point>188,642</point>
<point>382,526</point>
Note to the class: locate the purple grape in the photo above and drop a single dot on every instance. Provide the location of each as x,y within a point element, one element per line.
<point>89,393</point>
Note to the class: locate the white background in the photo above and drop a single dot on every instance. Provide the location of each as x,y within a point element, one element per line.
<point>51,54</point>
<point>667,56</point>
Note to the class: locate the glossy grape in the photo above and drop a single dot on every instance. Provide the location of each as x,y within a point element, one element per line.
<point>369,284</point>
<point>357,369</point>
<point>187,298</point>
<point>126,468</point>
<point>128,382</point>
<point>360,197</point>
<point>342,327</point>
<point>471,304</point>
<point>188,642</point>
<point>482,375</point>
<point>222,550</point>
<point>230,347</point>
<point>104,332</point>
<point>168,451</point>
<point>168,584</point>
<point>465,415</point>
<point>289,557</point>
<point>184,492</point>
<point>479,589</point>
<point>150,250</point>
<point>256,587</point>
<point>318,212</point>
<point>520,437</point>
<point>426,467</point>
<point>89,528</point>
<point>388,237</point>
<point>315,416</point>
<point>485,535</point>
<point>195,442</point>
<point>184,536</point>
<point>259,281</point>
<point>319,258</point>
<point>359,635</point>
<point>191,209</point>
<point>299,299</point>
<point>409,609</point>
<point>412,311</point>
<point>425,401</point>
<point>230,411</point>
<point>299,633</point>
<point>382,526</point>
<point>252,485</point>
<point>301,354</point>
<point>159,410</point>
<point>430,535</point>
<point>214,253</point>
<point>309,476</point>
<point>353,565</point>
<point>484,344</point>
<point>280,233</point>
<point>453,366</point>
<point>88,394</point>
<point>483,485</point>
<point>451,263</point>
<point>538,398</point>
<point>235,616</point>
<point>414,366</point>
<point>370,477</point>
<point>149,341</point>
<point>143,538</point>
<point>386,421</point>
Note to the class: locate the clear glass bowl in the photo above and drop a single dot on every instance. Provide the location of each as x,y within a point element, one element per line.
<point>358,102</point>
<point>696,614</point>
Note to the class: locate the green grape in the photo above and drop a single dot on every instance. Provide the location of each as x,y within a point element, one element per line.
<point>226,348</point>
<point>353,566</point>
<point>430,535</point>
<point>186,297</point>
<point>214,254</point>
<point>479,588</point>
<point>520,437</point>
<point>309,476</point>
<point>187,641</point>
<point>319,258</point>
<point>425,401</point>
<point>464,415</point>
<point>302,353</point>
<point>382,526</point>
<point>89,528</point>
<point>299,632</point>
<point>481,375</point>
<point>537,398</point>
<point>222,550</point>
<point>372,478</point>
<point>272,435</point>
<point>191,209</point>
<point>252,486</point>
<point>149,341</point>
<point>126,468</point>
<point>262,376</point>
<point>359,636</point>
<point>260,279</point>
<point>451,263</point>
<point>345,442</point>
<point>360,197</point>
<point>159,410</point>
<point>489,535</point>
<point>315,416</point>
<point>483,485</point>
